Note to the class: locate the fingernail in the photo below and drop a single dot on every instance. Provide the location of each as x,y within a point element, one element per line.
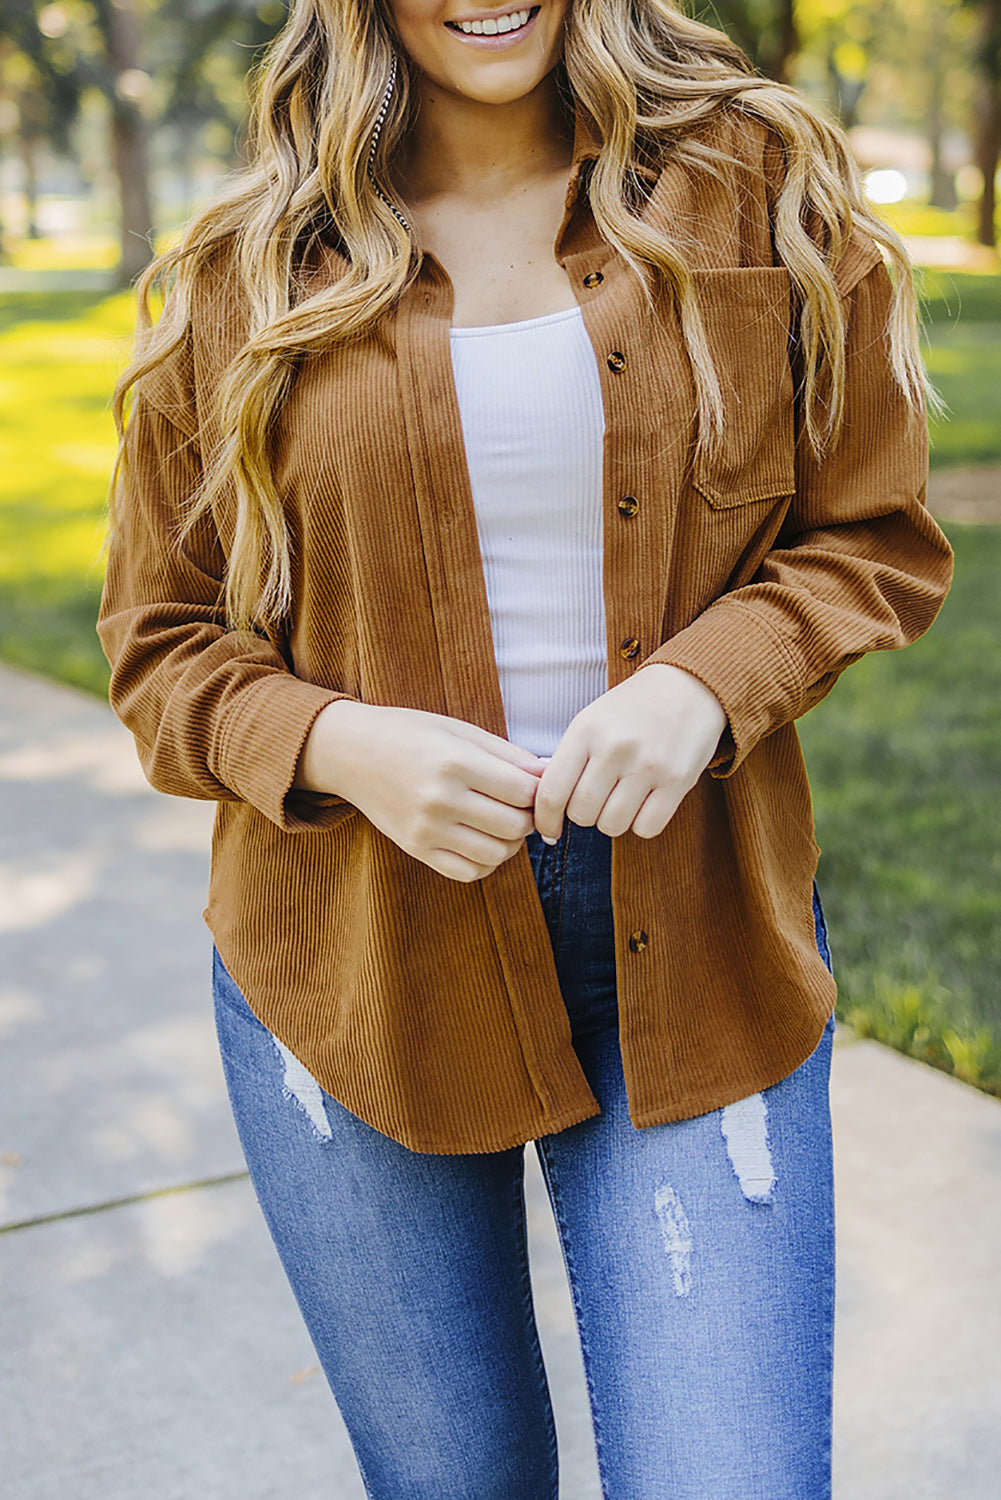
<point>548,841</point>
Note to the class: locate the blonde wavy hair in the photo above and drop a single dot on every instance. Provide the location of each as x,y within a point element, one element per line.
<point>649,77</point>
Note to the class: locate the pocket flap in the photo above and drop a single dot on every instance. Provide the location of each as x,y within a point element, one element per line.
<point>746,313</point>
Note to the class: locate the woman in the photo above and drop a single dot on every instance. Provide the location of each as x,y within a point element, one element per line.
<point>532,432</point>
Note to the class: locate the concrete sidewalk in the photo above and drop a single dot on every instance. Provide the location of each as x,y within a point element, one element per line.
<point>149,1345</point>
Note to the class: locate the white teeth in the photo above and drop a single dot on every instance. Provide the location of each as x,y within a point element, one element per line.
<point>496,25</point>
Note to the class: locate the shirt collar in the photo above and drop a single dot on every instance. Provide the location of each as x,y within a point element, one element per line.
<point>586,146</point>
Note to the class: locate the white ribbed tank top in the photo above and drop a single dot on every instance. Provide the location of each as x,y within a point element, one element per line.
<point>533,426</point>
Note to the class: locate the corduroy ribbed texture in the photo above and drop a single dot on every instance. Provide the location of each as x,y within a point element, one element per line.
<point>428,1007</point>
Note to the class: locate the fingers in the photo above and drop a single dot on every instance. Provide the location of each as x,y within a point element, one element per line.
<point>502,780</point>
<point>499,819</point>
<point>554,791</point>
<point>496,746</point>
<point>595,785</point>
<point>478,849</point>
<point>655,814</point>
<point>455,867</point>
<point>620,809</point>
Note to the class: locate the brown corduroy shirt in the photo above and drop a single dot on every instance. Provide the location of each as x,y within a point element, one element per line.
<point>430,1007</point>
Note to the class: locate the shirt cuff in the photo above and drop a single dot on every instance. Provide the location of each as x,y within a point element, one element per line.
<point>264,735</point>
<point>741,659</point>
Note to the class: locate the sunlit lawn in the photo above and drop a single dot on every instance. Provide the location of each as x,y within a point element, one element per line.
<point>905,763</point>
<point>59,354</point>
<point>78,252</point>
<point>903,755</point>
<point>919,219</point>
<point>963,330</point>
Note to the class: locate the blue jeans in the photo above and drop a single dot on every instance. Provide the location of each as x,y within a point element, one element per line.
<point>700,1257</point>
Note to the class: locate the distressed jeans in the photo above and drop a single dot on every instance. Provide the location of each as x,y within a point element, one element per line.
<point>699,1254</point>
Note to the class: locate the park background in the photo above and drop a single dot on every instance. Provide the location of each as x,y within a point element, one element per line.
<point>149,1344</point>
<point>119,118</point>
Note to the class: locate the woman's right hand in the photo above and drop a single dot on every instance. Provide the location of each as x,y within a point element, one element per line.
<point>449,793</point>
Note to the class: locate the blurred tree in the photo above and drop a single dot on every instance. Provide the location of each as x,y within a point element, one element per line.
<point>766,29</point>
<point>40,90</point>
<point>126,86</point>
<point>905,63</point>
<point>846,35</point>
<point>987,115</point>
<point>203,49</point>
<point>937,50</point>
<point>160,65</point>
<point>75,45</point>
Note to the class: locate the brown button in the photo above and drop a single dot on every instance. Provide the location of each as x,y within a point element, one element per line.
<point>629,647</point>
<point>638,940</point>
<point>628,505</point>
<point>616,361</point>
<point>593,278</point>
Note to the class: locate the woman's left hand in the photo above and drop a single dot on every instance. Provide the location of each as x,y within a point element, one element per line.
<point>627,759</point>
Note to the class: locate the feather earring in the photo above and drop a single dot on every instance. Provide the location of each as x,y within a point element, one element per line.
<point>380,120</point>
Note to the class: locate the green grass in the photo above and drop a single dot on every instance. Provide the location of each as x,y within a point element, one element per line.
<point>905,762</point>
<point>59,355</point>
<point>957,297</point>
<point>65,253</point>
<point>922,219</point>
<point>962,316</point>
<point>964,361</point>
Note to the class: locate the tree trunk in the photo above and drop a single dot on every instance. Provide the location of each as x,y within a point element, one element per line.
<point>129,143</point>
<point>128,139</point>
<point>987,117</point>
<point>787,47</point>
<point>942,185</point>
<point>988,155</point>
<point>29,163</point>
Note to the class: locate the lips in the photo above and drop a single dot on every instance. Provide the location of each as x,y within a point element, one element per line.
<point>495,24</point>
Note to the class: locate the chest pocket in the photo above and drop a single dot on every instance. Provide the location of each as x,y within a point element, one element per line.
<point>746,315</point>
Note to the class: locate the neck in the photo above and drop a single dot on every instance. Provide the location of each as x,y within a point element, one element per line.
<point>462,147</point>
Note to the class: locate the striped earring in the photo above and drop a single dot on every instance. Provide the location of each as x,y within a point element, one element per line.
<point>380,120</point>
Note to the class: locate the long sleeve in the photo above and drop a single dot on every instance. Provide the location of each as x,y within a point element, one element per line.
<point>858,565</point>
<point>215,713</point>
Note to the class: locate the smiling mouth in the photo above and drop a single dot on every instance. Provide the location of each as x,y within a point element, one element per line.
<point>509,23</point>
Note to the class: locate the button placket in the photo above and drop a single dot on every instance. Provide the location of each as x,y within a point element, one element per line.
<point>610,315</point>
<point>628,505</point>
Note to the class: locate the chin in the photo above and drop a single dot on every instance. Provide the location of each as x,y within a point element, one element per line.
<point>496,92</point>
<point>494,85</point>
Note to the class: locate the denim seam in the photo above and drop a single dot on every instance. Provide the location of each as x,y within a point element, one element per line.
<point>545,882</point>
<point>829,1347</point>
<point>823,936</point>
<point>532,1325</point>
<point>562,889</point>
<point>554,1194</point>
<point>364,1479</point>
